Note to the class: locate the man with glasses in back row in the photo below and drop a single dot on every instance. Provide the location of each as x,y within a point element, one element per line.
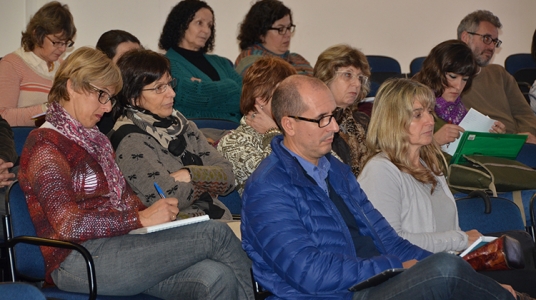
<point>312,233</point>
<point>494,91</point>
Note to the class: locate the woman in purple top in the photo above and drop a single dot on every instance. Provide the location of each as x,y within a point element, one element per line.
<point>448,70</point>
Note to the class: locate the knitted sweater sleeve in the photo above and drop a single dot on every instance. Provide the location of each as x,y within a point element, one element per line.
<point>216,174</point>
<point>389,199</point>
<point>10,81</point>
<point>67,193</point>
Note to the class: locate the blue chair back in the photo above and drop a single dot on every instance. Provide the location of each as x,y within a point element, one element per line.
<point>33,264</point>
<point>18,290</point>
<point>416,65</point>
<point>21,133</point>
<point>233,201</point>
<point>215,123</point>
<point>382,68</point>
<point>516,62</point>
<point>381,64</point>
<point>488,214</point>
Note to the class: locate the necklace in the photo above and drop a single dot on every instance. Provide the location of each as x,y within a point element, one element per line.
<point>50,67</point>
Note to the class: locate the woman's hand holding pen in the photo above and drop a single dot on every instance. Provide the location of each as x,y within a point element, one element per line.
<point>163,210</point>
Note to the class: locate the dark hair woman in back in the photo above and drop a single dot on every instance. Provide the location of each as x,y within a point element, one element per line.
<point>207,84</point>
<point>448,70</point>
<point>114,43</point>
<point>267,30</point>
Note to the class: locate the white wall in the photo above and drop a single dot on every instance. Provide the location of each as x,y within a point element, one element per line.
<point>402,29</point>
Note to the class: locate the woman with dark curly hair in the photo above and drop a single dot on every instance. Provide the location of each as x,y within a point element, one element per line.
<point>207,85</point>
<point>449,70</point>
<point>346,70</point>
<point>267,30</point>
<point>26,74</point>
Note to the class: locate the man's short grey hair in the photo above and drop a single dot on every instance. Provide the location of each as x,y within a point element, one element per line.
<point>471,22</point>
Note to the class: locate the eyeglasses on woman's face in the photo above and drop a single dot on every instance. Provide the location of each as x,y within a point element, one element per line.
<point>283,29</point>
<point>67,44</point>
<point>350,76</point>
<point>103,96</point>
<point>161,88</point>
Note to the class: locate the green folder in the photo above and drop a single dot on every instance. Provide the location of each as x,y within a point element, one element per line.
<point>488,144</point>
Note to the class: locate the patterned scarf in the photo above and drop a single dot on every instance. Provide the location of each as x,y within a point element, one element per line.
<point>97,145</point>
<point>354,134</point>
<point>450,112</point>
<point>169,131</point>
<point>164,130</point>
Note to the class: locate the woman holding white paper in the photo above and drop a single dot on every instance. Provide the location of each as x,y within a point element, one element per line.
<point>76,192</point>
<point>449,70</point>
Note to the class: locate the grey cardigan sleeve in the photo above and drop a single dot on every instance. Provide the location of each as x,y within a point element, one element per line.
<point>143,162</point>
<point>386,188</point>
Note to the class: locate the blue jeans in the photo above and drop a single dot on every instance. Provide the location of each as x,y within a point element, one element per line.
<point>198,261</point>
<point>440,276</point>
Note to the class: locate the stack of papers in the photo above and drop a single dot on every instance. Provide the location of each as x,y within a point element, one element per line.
<point>473,121</point>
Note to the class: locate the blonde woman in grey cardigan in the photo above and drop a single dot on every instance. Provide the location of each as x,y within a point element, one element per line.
<point>402,176</point>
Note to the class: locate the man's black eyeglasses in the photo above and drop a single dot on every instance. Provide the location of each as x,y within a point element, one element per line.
<point>487,39</point>
<point>322,122</point>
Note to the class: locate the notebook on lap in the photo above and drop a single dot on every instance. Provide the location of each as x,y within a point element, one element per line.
<point>488,144</point>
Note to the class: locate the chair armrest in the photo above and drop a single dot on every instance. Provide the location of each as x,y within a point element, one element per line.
<point>58,244</point>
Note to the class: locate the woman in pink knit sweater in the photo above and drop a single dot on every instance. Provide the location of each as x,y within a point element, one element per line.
<point>26,74</point>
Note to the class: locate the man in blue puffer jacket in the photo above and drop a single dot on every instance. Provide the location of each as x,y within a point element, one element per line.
<point>311,231</point>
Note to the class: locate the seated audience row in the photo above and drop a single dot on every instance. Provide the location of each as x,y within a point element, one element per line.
<point>312,233</point>
<point>76,192</point>
<point>155,143</point>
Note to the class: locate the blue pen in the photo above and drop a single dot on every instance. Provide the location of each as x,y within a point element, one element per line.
<point>159,190</point>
